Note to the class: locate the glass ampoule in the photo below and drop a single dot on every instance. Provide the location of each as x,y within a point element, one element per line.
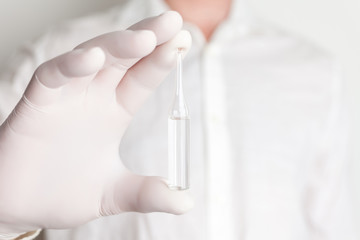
<point>179,135</point>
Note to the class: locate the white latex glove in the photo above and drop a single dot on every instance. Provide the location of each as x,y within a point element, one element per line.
<point>59,161</point>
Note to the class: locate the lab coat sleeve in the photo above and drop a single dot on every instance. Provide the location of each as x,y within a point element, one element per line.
<point>328,197</point>
<point>26,236</point>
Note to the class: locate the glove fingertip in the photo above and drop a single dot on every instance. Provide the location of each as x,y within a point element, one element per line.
<point>183,206</point>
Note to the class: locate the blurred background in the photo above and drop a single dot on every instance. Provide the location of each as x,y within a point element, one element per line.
<point>332,24</point>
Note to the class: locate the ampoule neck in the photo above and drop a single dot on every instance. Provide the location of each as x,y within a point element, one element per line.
<point>179,108</point>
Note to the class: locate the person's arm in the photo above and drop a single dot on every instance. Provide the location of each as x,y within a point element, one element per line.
<point>59,162</point>
<point>22,236</point>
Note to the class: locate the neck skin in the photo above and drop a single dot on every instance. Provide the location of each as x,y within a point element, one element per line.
<point>206,14</point>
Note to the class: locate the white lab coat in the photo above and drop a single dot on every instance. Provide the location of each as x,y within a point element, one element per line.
<point>268,144</point>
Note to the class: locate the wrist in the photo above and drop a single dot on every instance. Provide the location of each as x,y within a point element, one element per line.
<point>10,236</point>
<point>20,236</point>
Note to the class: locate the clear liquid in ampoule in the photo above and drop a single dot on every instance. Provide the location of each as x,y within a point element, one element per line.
<point>179,134</point>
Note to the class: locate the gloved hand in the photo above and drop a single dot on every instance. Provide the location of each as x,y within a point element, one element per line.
<point>59,162</point>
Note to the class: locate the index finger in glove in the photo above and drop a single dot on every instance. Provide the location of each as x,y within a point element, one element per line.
<point>127,50</point>
<point>164,26</point>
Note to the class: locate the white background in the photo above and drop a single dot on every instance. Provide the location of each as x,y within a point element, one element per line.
<point>332,24</point>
